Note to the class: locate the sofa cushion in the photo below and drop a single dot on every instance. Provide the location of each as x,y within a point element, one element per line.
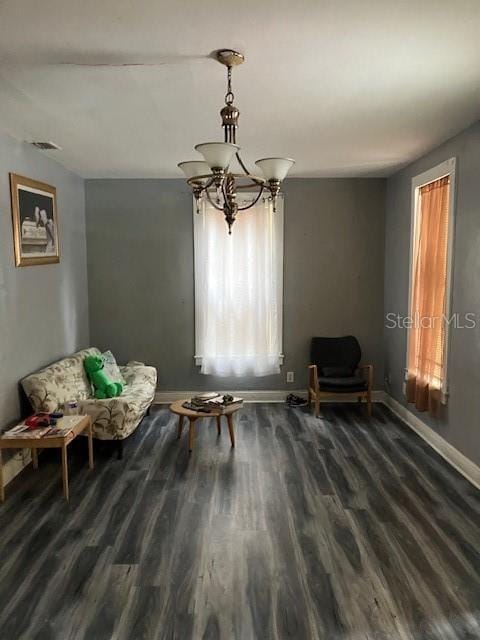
<point>117,418</point>
<point>345,385</point>
<point>111,367</point>
<point>63,380</point>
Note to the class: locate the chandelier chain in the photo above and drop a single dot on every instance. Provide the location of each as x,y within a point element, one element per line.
<point>229,97</point>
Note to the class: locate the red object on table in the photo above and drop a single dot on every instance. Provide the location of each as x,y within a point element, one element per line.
<point>38,420</point>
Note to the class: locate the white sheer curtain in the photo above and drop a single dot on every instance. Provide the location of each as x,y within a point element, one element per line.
<point>239,291</point>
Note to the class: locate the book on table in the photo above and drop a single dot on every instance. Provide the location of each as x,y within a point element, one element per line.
<point>23,431</point>
<point>214,402</point>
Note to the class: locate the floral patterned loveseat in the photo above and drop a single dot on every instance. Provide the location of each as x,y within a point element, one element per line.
<point>113,418</point>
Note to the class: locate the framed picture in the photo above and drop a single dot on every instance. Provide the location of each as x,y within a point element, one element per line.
<point>35,223</point>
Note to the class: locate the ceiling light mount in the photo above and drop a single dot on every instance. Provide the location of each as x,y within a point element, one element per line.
<point>229,57</point>
<point>212,180</point>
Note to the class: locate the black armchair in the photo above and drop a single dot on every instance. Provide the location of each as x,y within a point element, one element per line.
<point>335,369</point>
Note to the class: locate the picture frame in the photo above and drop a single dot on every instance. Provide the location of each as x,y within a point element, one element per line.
<point>35,221</point>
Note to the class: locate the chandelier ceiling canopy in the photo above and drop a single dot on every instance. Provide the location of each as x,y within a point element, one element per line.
<point>212,179</point>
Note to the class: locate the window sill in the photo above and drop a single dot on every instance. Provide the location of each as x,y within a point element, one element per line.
<point>198,360</point>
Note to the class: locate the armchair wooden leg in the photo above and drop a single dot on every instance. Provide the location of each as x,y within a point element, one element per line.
<point>317,406</point>
<point>369,404</point>
<point>369,369</point>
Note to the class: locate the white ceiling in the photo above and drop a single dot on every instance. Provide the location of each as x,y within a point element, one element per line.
<point>346,87</point>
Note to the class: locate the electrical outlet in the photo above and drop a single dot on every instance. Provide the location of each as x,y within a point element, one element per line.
<point>290,376</point>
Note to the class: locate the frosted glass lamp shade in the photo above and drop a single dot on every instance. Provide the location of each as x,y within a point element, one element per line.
<point>218,155</point>
<point>194,168</point>
<point>275,168</point>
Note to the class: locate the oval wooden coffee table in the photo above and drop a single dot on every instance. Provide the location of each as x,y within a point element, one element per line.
<point>192,416</point>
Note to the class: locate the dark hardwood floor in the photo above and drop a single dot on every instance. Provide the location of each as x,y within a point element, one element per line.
<point>341,528</point>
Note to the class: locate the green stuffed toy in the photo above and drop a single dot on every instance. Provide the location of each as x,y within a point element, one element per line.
<point>104,387</point>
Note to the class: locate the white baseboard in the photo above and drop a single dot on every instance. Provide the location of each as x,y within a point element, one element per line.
<point>13,466</point>
<point>166,397</point>
<point>457,460</point>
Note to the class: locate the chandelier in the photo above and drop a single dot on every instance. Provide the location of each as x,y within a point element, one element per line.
<point>211,178</point>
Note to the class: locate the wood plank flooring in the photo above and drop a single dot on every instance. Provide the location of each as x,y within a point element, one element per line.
<point>339,528</point>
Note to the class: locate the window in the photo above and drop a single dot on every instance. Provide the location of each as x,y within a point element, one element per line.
<point>239,290</point>
<point>430,279</point>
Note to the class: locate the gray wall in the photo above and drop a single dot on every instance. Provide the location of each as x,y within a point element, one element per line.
<point>141,288</point>
<point>460,419</point>
<point>43,309</point>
